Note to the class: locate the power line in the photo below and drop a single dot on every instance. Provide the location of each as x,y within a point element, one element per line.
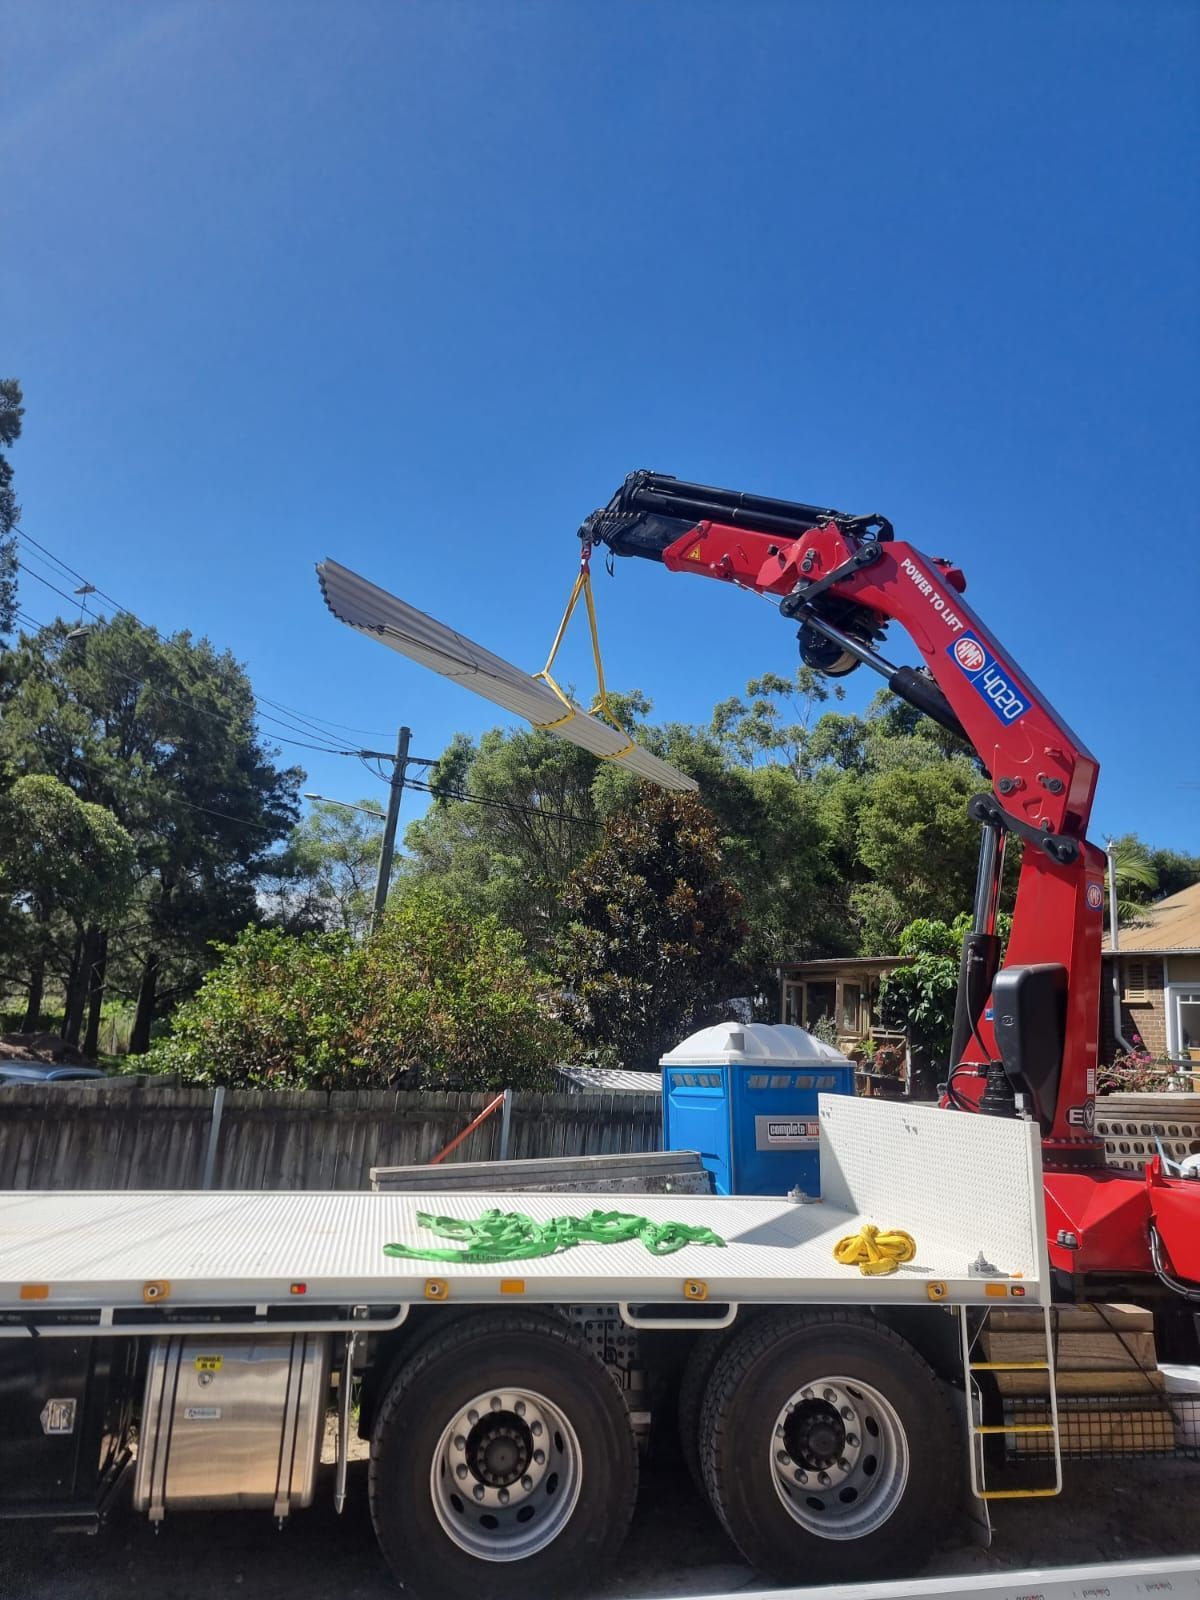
<point>69,570</point>
<point>72,599</point>
<point>313,723</point>
<point>441,793</point>
<point>177,799</point>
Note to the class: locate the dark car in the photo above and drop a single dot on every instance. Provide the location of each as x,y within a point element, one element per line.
<point>43,1072</point>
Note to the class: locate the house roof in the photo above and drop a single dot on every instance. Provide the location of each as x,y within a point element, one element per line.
<point>1171,925</point>
<point>828,963</point>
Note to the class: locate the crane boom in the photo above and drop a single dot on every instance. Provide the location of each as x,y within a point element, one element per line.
<point>1026,1037</point>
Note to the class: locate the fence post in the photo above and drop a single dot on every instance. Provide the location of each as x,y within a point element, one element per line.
<point>214,1136</point>
<point>505,1121</point>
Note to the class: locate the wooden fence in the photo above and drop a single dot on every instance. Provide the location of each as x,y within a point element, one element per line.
<point>144,1135</point>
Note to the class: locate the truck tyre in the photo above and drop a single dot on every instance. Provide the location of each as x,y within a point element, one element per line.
<point>829,1448</point>
<point>502,1463</point>
<point>689,1401</point>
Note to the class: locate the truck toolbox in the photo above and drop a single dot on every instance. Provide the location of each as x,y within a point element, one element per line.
<point>232,1422</point>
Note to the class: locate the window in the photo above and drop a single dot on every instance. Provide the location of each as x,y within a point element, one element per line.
<point>820,1000</point>
<point>1183,1022</point>
<point>851,1008</point>
<point>1137,984</point>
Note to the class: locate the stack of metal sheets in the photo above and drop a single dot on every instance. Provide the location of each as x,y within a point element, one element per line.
<point>412,633</point>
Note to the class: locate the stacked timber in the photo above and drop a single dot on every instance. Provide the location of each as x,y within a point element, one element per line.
<point>1110,1392</point>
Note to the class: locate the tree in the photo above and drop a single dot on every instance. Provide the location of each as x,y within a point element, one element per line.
<point>777,846</point>
<point>1134,876</point>
<point>435,997</point>
<point>161,733</point>
<point>920,995</point>
<point>1175,870</point>
<point>655,930</point>
<point>325,878</point>
<point>11,412</point>
<point>61,859</point>
<point>532,817</point>
<point>762,731</point>
<point>920,848</point>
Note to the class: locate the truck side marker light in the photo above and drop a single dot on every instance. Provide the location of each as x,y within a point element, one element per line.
<point>298,1288</point>
<point>512,1285</point>
<point>995,1291</point>
<point>34,1291</point>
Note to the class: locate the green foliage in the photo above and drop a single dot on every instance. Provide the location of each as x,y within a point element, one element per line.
<point>61,854</point>
<point>1174,870</point>
<point>66,866</point>
<point>655,930</point>
<point>436,997</point>
<point>161,733</point>
<point>825,1029</point>
<point>915,839</point>
<point>920,995</point>
<point>1135,877</point>
<point>324,879</point>
<point>507,852</point>
<point>11,412</point>
<point>775,725</point>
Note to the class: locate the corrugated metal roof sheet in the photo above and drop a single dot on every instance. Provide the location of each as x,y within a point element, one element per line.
<point>1171,924</point>
<point>371,610</point>
<point>611,1080</point>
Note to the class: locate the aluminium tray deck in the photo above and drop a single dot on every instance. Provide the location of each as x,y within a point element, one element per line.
<point>960,1185</point>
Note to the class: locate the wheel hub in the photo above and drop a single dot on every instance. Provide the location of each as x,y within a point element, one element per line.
<point>499,1450</point>
<point>815,1434</point>
<point>839,1458</point>
<point>506,1474</point>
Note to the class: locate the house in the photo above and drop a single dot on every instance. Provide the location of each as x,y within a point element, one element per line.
<point>1158,970</point>
<point>845,988</point>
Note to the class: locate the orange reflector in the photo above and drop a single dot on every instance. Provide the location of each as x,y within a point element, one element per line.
<point>997,1291</point>
<point>35,1291</point>
<point>436,1289</point>
<point>512,1285</point>
<point>695,1289</point>
<point>936,1290</point>
<point>1017,1290</point>
<point>298,1288</point>
<point>156,1290</point>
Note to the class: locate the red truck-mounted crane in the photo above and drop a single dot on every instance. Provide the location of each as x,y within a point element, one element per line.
<point>1026,1033</point>
<point>826,1365</point>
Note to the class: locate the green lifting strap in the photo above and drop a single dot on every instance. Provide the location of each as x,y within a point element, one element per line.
<point>515,1236</point>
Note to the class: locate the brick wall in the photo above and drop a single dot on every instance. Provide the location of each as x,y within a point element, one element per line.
<point>1145,1015</point>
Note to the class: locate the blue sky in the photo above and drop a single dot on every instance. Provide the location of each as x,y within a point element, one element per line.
<point>415,284</point>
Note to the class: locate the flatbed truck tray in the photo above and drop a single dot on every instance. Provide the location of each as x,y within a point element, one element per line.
<point>107,1257</point>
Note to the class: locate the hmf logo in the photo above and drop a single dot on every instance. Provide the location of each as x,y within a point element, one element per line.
<point>969,654</point>
<point>1002,695</point>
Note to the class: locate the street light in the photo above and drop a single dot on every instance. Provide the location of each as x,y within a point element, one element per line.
<point>345,804</point>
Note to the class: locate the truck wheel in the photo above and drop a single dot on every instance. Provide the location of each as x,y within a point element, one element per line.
<point>828,1448</point>
<point>479,1458</point>
<point>689,1402</point>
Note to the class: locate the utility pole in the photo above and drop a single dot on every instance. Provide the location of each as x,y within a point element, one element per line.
<point>388,848</point>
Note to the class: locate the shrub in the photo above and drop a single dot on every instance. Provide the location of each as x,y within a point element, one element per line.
<point>434,998</point>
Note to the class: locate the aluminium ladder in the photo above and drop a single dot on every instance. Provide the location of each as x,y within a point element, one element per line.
<point>972,1322</point>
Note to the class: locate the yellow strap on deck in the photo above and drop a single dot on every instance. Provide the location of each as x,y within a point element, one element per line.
<point>875,1252</point>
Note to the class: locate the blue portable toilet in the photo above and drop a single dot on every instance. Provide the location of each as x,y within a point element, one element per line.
<point>745,1096</point>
